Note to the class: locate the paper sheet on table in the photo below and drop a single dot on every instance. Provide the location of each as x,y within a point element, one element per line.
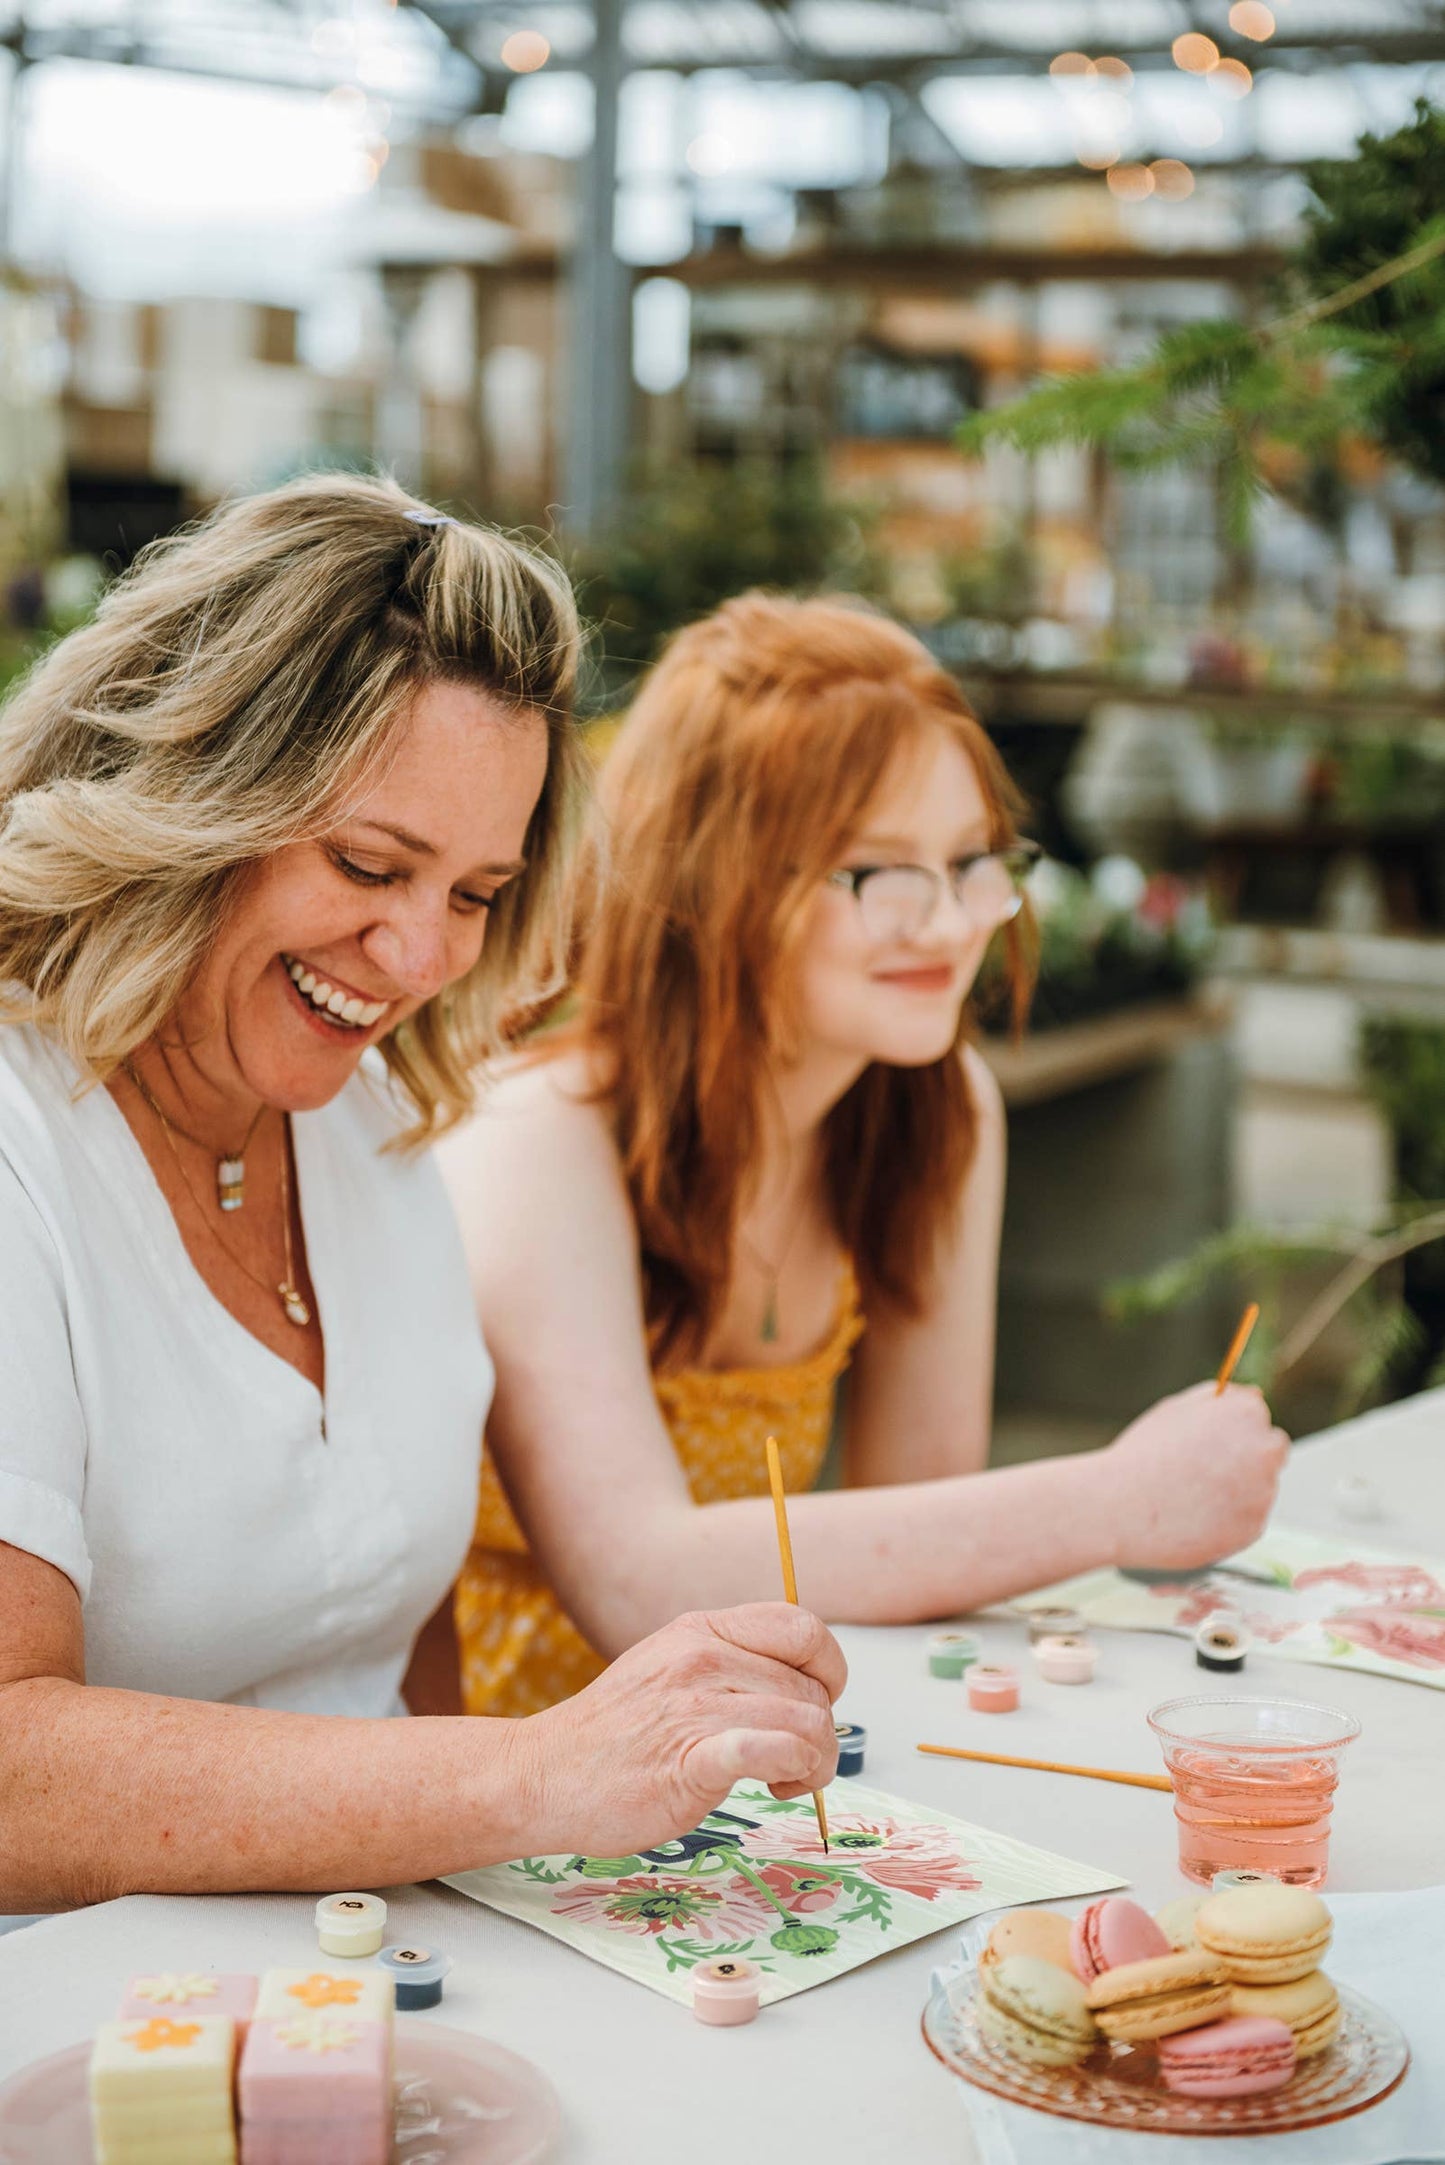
<point>753,1881</point>
<point>1333,1602</point>
<point>1386,1946</point>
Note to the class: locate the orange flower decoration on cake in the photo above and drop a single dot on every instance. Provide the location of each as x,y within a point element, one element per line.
<point>161,2031</point>
<point>319,1990</point>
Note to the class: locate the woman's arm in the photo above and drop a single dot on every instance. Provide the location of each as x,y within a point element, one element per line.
<point>104,1793</point>
<point>920,1392</point>
<point>591,1472</point>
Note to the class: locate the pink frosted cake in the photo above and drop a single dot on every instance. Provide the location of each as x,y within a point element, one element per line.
<point>315,2079</point>
<point>178,1993</point>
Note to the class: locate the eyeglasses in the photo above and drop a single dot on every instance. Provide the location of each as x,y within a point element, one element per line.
<point>896,901</point>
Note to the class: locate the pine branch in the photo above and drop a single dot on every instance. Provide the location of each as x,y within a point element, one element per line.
<point>1372,1257</point>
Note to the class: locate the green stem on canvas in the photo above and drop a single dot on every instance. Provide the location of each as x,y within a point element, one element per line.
<point>764,1890</point>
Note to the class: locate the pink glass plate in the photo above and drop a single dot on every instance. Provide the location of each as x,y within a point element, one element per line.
<point>1118,2085</point>
<point>459,2101</point>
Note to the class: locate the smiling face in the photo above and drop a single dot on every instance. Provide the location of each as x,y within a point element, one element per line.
<point>330,943</point>
<point>899,1002</point>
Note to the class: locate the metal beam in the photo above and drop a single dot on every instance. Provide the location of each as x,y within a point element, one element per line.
<point>600,392</point>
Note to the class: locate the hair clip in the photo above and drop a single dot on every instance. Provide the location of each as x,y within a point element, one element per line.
<point>429,518</point>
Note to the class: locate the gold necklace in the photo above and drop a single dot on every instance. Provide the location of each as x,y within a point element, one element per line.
<point>294,1307</point>
<point>230,1165</point>
<point>772,1272</point>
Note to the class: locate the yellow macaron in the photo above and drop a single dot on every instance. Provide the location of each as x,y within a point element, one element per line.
<point>1158,1998</point>
<point>1309,2005</point>
<point>1266,1934</point>
<point>1176,1920</point>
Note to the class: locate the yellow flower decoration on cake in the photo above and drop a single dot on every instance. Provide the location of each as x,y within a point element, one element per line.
<point>319,1990</point>
<point>172,1985</point>
<point>160,2031</point>
<point>316,2033</point>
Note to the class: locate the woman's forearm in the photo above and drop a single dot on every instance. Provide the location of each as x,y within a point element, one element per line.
<point>105,1793</point>
<point>896,1555</point>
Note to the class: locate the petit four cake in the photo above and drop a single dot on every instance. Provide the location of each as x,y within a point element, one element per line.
<point>315,2089</point>
<point>184,1993</point>
<point>160,2091</point>
<point>362,1995</point>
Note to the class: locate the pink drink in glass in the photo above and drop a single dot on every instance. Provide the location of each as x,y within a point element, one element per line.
<point>1254,1783</point>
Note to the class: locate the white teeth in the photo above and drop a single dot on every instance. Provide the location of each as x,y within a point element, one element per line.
<point>328,1000</point>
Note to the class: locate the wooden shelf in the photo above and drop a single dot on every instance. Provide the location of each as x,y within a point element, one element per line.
<point>1052,1063</point>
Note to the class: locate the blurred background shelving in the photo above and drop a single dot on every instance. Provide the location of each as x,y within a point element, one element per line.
<point>705,289</point>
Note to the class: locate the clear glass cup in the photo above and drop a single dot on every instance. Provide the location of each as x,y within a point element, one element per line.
<point>1254,1783</point>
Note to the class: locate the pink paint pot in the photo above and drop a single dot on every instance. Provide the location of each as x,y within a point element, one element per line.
<point>1066,1660</point>
<point>726,1993</point>
<point>992,1689</point>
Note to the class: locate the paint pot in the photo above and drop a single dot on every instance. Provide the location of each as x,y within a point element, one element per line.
<point>993,1688</point>
<point>417,1973</point>
<point>1221,1642</point>
<point>351,1925</point>
<point>1239,1877</point>
<point>950,1653</point>
<point>726,1993</point>
<point>1055,1623</point>
<point>1067,1660</point>
<point>852,1738</point>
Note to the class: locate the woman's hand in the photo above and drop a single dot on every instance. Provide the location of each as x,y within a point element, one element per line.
<point>1195,1476</point>
<point>658,1741</point>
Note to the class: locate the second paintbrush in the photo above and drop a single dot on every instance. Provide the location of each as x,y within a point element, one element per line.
<point>790,1582</point>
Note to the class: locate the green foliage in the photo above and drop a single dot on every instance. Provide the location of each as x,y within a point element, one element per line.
<point>693,537</point>
<point>1341,365</point>
<point>1368,211</point>
<point>1404,1063</point>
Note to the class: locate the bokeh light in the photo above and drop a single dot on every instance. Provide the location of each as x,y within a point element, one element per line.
<point>1195,53</point>
<point>1173,180</point>
<point>1066,64</point>
<point>1252,19</point>
<point>525,51</point>
<point>1130,183</point>
<point>1234,78</point>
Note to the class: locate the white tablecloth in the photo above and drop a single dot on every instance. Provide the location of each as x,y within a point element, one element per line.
<point>839,2072</point>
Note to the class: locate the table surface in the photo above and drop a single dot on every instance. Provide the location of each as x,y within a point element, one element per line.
<point>840,2071</point>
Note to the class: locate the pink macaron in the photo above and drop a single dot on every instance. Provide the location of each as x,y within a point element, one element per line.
<point>1236,2058</point>
<point>1109,1933</point>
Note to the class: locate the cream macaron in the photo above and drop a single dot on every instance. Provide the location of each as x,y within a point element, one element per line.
<point>1265,1934</point>
<point>1143,2000</point>
<point>1035,2011</point>
<point>1310,2006</point>
<point>1042,1933</point>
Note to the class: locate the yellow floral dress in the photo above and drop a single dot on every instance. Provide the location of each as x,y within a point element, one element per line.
<point>520,1651</point>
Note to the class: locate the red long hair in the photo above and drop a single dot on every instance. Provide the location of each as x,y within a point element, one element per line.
<point>740,776</point>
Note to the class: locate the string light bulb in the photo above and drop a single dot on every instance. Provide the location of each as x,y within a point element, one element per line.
<point>525,51</point>
<point>1173,180</point>
<point>1195,53</point>
<point>1130,183</point>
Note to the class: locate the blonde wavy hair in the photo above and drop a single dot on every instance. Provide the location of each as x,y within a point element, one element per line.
<point>234,691</point>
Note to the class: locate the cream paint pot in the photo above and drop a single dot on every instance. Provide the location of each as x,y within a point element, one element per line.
<point>726,1993</point>
<point>1065,1660</point>
<point>350,1925</point>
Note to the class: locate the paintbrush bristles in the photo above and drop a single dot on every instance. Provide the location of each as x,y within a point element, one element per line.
<point>790,1581</point>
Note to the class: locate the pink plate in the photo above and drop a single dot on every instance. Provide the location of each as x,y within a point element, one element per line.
<point>457,2098</point>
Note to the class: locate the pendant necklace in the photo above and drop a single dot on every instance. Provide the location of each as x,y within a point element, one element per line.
<point>772,1273</point>
<point>230,1165</point>
<point>294,1306</point>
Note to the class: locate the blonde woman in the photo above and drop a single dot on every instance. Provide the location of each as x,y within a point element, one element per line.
<point>278,831</point>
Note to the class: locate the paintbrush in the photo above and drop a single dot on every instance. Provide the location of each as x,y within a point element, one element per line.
<point>1146,1577</point>
<point>1051,1766</point>
<point>790,1583</point>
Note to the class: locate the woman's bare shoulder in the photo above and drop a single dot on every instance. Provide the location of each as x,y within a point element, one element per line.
<point>553,1101</point>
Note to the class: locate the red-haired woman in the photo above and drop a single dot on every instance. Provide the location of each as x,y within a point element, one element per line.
<point>767,1152</point>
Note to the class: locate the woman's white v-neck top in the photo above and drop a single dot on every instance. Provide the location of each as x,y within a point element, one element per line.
<point>227,1539</point>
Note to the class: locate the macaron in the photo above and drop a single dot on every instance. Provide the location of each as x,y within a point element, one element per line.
<point>1036,2011</point>
<point>1309,2006</point>
<point>1042,1933</point>
<point>1176,1920</point>
<point>1143,2000</point>
<point>1237,2058</point>
<point>1265,1934</point>
<point>1110,1933</point>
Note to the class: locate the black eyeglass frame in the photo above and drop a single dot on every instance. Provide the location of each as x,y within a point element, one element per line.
<point>1018,857</point>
